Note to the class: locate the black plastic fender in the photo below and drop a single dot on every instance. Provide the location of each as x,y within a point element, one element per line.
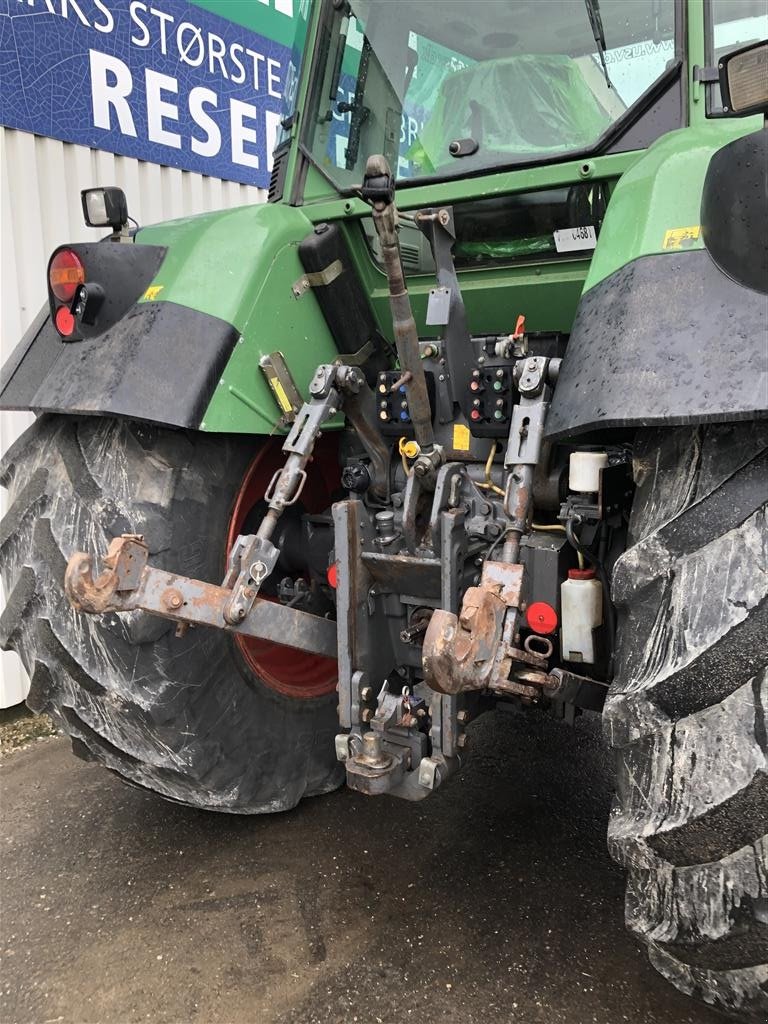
<point>667,339</point>
<point>734,209</point>
<point>160,363</point>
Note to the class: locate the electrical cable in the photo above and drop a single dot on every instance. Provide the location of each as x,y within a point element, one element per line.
<point>488,484</point>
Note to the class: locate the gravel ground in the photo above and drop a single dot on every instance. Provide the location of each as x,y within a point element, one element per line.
<point>493,901</point>
<point>18,729</point>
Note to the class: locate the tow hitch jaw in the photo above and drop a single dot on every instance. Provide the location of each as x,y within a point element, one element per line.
<point>127,583</point>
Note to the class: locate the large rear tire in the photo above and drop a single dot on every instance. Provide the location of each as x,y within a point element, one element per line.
<point>687,712</point>
<point>187,717</point>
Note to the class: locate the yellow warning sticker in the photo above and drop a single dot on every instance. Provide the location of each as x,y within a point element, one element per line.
<point>681,238</point>
<point>152,292</point>
<point>280,395</point>
<point>461,438</point>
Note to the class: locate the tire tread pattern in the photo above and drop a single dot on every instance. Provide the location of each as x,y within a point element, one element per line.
<point>181,716</point>
<point>686,712</point>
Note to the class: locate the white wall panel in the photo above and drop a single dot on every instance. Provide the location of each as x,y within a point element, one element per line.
<point>39,209</point>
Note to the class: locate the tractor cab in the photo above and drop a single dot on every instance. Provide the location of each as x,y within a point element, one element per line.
<point>485,86</point>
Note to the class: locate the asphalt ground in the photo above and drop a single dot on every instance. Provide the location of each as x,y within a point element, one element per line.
<point>492,901</point>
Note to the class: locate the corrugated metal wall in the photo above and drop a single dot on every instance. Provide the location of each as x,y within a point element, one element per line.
<point>40,209</point>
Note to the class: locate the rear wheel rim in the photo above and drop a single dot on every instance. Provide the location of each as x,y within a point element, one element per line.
<point>286,670</point>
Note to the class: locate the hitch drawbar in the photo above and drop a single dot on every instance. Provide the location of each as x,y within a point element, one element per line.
<point>128,583</point>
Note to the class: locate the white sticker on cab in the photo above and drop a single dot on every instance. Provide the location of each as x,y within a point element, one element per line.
<point>573,239</point>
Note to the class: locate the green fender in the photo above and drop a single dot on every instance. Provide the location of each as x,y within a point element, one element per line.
<point>661,334</point>
<point>240,266</point>
<point>655,204</point>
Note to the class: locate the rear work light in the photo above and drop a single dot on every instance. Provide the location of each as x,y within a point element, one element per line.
<point>65,274</point>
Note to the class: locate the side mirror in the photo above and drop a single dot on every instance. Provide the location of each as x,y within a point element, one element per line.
<point>105,207</point>
<point>744,80</point>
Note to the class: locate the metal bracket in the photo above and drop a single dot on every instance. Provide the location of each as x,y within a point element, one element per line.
<point>252,560</point>
<point>356,358</point>
<point>526,432</point>
<point>389,749</point>
<point>708,75</point>
<point>300,286</point>
<point>446,305</point>
<point>446,496</point>
<point>317,279</point>
<point>438,307</point>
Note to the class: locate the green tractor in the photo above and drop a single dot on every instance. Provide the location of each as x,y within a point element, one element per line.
<point>471,413</point>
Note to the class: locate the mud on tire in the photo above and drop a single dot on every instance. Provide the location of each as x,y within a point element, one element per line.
<point>687,712</point>
<point>183,716</point>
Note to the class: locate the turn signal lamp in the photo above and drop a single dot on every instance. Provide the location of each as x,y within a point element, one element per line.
<point>65,274</point>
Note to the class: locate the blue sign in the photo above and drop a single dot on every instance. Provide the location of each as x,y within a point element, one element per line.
<point>160,80</point>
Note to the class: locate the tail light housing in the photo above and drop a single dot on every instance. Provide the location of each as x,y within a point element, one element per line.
<point>92,285</point>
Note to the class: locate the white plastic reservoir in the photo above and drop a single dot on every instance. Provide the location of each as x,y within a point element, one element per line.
<point>581,600</point>
<point>584,471</point>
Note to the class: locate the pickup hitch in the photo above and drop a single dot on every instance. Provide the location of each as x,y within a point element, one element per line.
<point>128,583</point>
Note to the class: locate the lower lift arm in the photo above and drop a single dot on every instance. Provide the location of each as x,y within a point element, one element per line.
<point>128,582</point>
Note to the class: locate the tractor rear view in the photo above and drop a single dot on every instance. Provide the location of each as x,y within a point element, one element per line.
<point>472,412</point>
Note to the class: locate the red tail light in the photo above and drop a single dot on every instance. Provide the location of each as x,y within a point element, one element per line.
<point>65,322</point>
<point>65,274</point>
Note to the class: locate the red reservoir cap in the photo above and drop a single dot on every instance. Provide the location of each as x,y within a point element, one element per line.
<point>581,574</point>
<point>333,575</point>
<point>541,617</point>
